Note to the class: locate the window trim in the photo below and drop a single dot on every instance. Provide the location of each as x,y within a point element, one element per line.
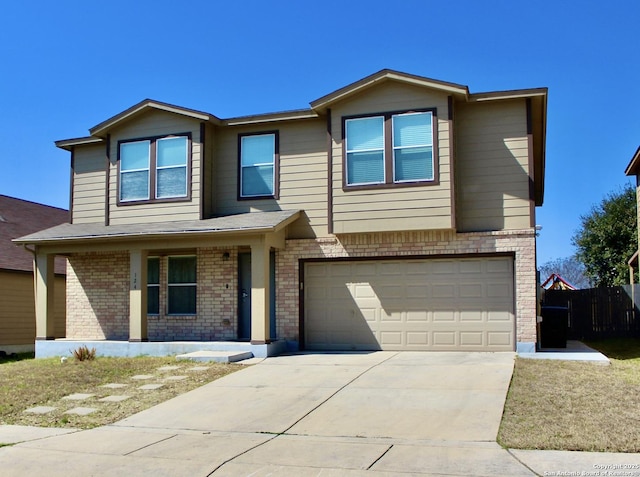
<point>276,167</point>
<point>388,152</point>
<point>169,285</point>
<point>153,174</point>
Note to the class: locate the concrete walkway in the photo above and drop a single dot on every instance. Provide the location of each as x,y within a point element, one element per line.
<point>361,414</point>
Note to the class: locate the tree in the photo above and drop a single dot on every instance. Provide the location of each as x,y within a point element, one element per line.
<point>608,238</point>
<point>570,268</point>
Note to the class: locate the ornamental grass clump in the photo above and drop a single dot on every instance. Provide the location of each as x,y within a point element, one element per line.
<point>84,354</point>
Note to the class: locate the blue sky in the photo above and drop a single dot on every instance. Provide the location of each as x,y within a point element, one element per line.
<point>66,65</point>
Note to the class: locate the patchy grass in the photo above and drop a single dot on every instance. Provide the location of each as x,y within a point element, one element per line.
<point>582,406</point>
<point>27,383</point>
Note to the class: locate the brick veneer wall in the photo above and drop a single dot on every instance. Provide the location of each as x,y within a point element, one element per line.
<point>98,296</point>
<point>216,320</point>
<point>398,244</point>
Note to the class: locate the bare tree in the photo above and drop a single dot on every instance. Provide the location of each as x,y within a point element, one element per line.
<point>569,268</point>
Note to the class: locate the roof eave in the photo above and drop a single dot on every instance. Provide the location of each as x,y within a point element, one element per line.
<point>271,117</point>
<point>127,114</point>
<point>69,144</point>
<point>135,237</point>
<point>508,94</point>
<point>633,169</point>
<point>139,236</point>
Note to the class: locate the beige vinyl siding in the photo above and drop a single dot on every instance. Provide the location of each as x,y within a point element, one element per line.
<point>492,166</point>
<point>303,174</point>
<point>423,207</point>
<point>17,314</point>
<point>150,124</point>
<point>89,184</point>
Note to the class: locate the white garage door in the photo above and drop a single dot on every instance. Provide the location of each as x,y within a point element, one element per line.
<point>423,304</point>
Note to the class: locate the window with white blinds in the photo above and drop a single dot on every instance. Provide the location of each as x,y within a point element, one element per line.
<point>389,149</point>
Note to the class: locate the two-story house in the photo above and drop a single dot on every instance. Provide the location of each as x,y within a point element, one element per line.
<point>396,213</point>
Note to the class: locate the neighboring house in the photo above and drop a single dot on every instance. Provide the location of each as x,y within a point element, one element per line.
<point>633,169</point>
<point>556,282</point>
<point>396,213</point>
<point>17,306</point>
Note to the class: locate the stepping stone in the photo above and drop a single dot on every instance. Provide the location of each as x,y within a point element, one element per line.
<point>40,409</point>
<point>142,376</point>
<point>115,398</point>
<point>81,411</point>
<point>175,378</point>
<point>78,396</point>
<point>217,356</point>
<point>148,387</point>
<point>114,386</point>
<point>168,368</point>
<point>198,368</point>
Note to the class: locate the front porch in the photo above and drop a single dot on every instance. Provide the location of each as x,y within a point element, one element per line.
<point>211,286</point>
<point>65,347</point>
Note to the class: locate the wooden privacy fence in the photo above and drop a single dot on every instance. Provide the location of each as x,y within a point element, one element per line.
<point>597,313</point>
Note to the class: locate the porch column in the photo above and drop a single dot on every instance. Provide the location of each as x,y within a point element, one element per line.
<point>260,293</point>
<point>138,295</point>
<point>44,293</point>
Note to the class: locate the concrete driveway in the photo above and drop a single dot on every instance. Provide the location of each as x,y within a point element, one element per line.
<point>381,413</point>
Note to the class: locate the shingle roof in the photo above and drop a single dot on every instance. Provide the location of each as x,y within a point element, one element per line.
<point>253,222</point>
<point>20,217</point>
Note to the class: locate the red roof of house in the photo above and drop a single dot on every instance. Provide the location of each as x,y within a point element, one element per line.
<point>18,218</point>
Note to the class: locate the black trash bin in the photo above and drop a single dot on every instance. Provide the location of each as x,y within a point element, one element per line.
<point>554,327</point>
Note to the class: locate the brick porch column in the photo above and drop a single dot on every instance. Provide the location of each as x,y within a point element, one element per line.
<point>44,293</point>
<point>138,295</point>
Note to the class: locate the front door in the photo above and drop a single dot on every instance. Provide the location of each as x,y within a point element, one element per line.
<point>244,296</point>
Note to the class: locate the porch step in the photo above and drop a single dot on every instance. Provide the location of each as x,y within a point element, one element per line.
<point>217,356</point>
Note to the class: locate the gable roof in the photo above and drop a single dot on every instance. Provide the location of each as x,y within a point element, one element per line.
<point>556,282</point>
<point>145,105</point>
<point>633,169</point>
<point>321,104</point>
<point>20,217</point>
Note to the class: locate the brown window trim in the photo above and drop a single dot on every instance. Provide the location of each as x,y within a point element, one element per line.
<point>276,167</point>
<point>388,152</point>
<point>152,171</point>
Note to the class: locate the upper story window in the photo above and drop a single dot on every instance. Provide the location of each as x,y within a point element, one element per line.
<point>154,168</point>
<point>258,165</point>
<point>391,148</point>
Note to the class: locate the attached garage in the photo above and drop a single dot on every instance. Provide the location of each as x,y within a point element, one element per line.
<point>453,304</point>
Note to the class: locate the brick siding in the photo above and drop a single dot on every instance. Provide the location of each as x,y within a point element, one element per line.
<point>398,244</point>
<point>98,296</point>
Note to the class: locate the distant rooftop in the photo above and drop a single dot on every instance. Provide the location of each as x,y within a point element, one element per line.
<point>21,217</point>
